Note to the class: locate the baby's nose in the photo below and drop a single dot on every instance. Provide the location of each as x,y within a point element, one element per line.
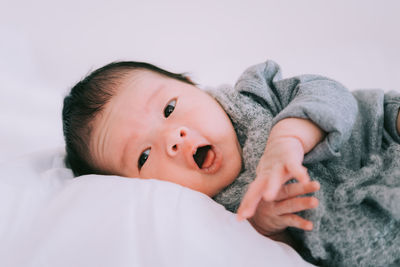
<point>176,140</point>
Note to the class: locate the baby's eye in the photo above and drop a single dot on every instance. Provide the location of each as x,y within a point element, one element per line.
<point>143,157</point>
<point>169,108</point>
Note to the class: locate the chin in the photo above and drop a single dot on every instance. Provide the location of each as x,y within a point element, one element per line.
<point>229,178</point>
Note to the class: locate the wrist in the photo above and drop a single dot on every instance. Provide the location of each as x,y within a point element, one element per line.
<point>305,131</point>
<point>276,139</point>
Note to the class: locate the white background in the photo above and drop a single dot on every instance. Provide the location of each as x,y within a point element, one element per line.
<point>46,46</point>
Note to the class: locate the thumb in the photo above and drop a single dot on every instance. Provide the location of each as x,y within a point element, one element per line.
<point>251,199</point>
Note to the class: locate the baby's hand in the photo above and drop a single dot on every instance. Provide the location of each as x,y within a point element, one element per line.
<point>281,161</point>
<point>273,217</point>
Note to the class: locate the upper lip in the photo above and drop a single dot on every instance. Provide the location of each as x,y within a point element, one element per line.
<point>201,155</point>
<point>216,164</point>
<point>191,149</point>
<point>191,160</point>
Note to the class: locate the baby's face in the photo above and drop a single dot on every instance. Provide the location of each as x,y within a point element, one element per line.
<point>162,128</point>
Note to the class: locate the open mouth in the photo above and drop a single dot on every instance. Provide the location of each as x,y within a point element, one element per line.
<point>204,156</point>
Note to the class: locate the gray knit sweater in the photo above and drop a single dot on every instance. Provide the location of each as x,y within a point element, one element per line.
<point>357,222</point>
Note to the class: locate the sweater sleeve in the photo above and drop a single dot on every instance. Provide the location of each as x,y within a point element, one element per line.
<point>325,102</point>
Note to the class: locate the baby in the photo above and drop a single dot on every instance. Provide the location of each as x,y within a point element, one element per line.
<point>243,146</point>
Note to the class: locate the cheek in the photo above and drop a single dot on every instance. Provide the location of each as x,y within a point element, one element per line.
<point>177,174</point>
<point>207,119</point>
<point>163,169</point>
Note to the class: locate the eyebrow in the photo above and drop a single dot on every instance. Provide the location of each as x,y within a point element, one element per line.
<point>154,94</point>
<point>124,156</point>
<point>102,136</point>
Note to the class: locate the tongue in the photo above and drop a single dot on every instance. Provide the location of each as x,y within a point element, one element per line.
<point>208,161</point>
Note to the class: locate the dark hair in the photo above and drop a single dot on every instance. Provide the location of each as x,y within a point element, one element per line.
<point>86,99</point>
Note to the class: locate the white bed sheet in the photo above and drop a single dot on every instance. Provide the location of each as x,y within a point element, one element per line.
<point>48,218</point>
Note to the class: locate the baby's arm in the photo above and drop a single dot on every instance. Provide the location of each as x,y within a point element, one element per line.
<point>325,112</point>
<point>282,160</point>
<point>289,140</point>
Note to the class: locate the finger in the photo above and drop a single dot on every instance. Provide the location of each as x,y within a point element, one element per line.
<point>273,184</point>
<point>298,172</point>
<point>297,189</point>
<point>293,220</point>
<point>251,198</point>
<point>296,204</point>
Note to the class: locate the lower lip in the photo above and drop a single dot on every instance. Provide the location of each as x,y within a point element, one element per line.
<point>216,165</point>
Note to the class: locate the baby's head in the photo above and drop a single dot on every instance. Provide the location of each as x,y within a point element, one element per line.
<point>136,120</point>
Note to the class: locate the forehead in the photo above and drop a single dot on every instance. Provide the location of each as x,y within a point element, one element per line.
<point>121,117</point>
<point>139,81</point>
<point>135,91</point>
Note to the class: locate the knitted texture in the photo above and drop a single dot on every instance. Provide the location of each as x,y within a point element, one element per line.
<point>357,222</point>
<point>252,124</point>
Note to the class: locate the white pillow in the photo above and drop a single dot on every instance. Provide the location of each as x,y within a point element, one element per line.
<point>49,218</point>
